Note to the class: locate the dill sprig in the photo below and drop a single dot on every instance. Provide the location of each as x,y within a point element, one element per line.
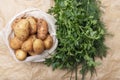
<point>81,35</point>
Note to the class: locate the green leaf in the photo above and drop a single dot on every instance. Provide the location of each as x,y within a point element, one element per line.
<point>80,34</point>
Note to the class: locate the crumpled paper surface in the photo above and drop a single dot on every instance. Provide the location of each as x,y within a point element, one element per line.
<point>12,70</point>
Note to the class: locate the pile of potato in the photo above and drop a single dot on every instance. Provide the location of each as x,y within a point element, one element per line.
<point>31,37</point>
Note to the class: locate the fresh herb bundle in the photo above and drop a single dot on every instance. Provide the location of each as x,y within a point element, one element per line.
<point>80,33</point>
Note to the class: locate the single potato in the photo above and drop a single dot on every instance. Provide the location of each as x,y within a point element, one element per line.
<point>32,53</point>
<point>42,30</point>
<point>20,55</point>
<point>33,37</point>
<point>33,25</point>
<point>48,42</point>
<point>27,45</point>
<point>15,43</point>
<point>21,29</point>
<point>38,46</point>
<point>15,22</point>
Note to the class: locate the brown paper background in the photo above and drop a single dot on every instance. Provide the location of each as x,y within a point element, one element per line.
<point>12,70</point>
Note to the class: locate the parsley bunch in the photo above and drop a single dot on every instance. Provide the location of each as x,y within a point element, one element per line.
<point>80,33</point>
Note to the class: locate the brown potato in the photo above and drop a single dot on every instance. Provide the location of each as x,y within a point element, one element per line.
<point>33,37</point>
<point>15,22</point>
<point>48,42</point>
<point>38,46</point>
<point>33,25</point>
<point>42,29</point>
<point>32,53</point>
<point>20,55</point>
<point>21,29</point>
<point>15,43</point>
<point>27,45</point>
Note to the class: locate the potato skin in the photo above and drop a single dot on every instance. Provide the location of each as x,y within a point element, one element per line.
<point>21,29</point>
<point>38,46</point>
<point>32,53</point>
<point>20,55</point>
<point>15,22</point>
<point>27,45</point>
<point>42,29</point>
<point>33,25</point>
<point>33,37</point>
<point>48,42</point>
<point>15,43</point>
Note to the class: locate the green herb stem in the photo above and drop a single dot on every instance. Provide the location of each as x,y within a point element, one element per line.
<point>81,35</point>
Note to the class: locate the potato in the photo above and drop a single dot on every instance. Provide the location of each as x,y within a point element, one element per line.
<point>15,43</point>
<point>21,29</point>
<point>15,22</point>
<point>32,53</point>
<point>42,29</point>
<point>48,42</point>
<point>33,25</point>
<point>27,45</point>
<point>20,55</point>
<point>33,37</point>
<point>38,46</point>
